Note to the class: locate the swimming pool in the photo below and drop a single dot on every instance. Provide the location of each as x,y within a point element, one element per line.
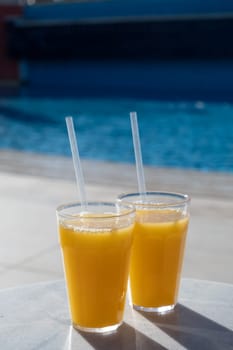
<point>193,135</point>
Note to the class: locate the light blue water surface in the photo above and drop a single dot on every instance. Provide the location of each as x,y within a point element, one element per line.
<point>195,135</point>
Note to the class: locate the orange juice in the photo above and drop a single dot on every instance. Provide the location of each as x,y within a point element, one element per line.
<point>157,255</point>
<point>96,263</point>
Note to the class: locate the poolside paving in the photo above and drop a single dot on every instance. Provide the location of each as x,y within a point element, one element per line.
<point>32,185</point>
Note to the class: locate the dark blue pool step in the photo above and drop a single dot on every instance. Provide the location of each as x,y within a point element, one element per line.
<point>133,38</point>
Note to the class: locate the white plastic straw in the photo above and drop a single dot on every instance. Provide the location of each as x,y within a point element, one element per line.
<point>76,161</point>
<point>138,153</point>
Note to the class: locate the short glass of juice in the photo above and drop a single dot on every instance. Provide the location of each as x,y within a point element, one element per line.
<point>160,230</point>
<point>96,244</point>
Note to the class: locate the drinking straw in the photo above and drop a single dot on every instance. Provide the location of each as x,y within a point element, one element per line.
<point>138,153</point>
<point>76,161</point>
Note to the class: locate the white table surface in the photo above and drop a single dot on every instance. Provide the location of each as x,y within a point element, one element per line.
<point>36,317</point>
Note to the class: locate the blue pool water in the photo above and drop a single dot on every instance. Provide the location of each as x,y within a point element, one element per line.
<point>193,135</point>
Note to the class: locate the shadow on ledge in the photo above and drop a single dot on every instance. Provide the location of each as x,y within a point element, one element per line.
<point>192,330</point>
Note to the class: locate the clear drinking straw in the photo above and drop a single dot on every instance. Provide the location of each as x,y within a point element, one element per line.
<point>138,153</point>
<point>76,161</point>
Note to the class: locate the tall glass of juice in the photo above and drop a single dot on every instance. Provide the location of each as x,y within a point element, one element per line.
<point>96,244</point>
<point>158,248</point>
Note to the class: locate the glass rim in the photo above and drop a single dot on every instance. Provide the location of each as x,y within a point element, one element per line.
<point>129,209</point>
<point>181,199</point>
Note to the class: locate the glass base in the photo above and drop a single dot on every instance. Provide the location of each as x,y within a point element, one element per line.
<point>160,309</point>
<point>107,329</point>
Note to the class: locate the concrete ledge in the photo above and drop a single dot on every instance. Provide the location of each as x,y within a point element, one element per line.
<point>122,175</point>
<point>33,185</point>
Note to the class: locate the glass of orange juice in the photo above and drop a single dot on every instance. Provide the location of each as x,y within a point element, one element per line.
<point>158,248</point>
<point>96,245</point>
